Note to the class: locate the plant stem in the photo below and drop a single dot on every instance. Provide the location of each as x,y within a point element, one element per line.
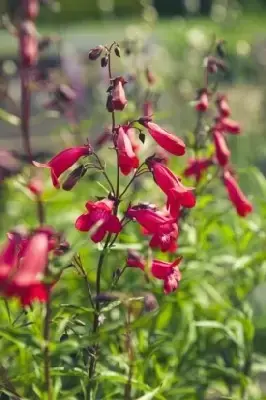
<point>46,337</point>
<point>25,112</point>
<point>96,314</point>
<point>40,210</point>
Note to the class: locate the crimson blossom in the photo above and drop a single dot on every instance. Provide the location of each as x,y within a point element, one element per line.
<point>177,194</point>
<point>99,217</point>
<point>127,158</point>
<point>197,166</point>
<point>168,272</point>
<point>168,141</point>
<point>23,261</point>
<point>64,160</point>
<point>235,194</point>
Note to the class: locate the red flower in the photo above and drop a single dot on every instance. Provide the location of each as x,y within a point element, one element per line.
<point>119,100</point>
<point>135,260</point>
<point>196,167</point>
<point>31,9</point>
<point>127,159</point>
<point>221,149</point>
<point>166,140</point>
<point>21,268</point>
<point>99,217</point>
<point>177,194</point>
<point>223,106</point>
<point>237,197</point>
<point>8,255</point>
<point>152,221</point>
<point>131,133</point>
<point>64,160</point>
<point>228,125</point>
<point>164,241</point>
<point>168,272</point>
<point>203,102</point>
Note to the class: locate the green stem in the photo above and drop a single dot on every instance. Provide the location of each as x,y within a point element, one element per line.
<point>46,337</point>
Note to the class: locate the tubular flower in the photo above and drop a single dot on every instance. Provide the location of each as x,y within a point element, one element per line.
<point>99,217</point>
<point>127,159</point>
<point>22,264</point>
<point>164,241</point>
<point>168,272</point>
<point>223,106</point>
<point>152,221</point>
<point>221,149</point>
<point>135,260</point>
<point>166,140</point>
<point>197,166</point>
<point>131,133</point>
<point>119,100</point>
<point>64,160</point>
<point>236,196</point>
<point>177,194</point>
<point>202,102</point>
<point>228,125</point>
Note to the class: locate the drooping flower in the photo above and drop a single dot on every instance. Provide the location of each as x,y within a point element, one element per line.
<point>197,166</point>
<point>165,241</point>
<point>168,272</point>
<point>64,160</point>
<point>119,100</point>
<point>177,194</point>
<point>236,196</point>
<point>228,125</point>
<point>99,217</point>
<point>152,221</point>
<point>135,260</point>
<point>166,140</point>
<point>222,151</point>
<point>127,159</point>
<point>202,103</point>
<point>22,265</point>
<point>223,106</point>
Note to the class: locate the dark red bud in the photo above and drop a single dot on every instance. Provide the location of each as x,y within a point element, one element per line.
<point>74,177</point>
<point>95,52</point>
<point>104,61</point>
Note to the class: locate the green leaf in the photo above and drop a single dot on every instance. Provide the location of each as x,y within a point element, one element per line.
<point>9,118</point>
<point>150,395</point>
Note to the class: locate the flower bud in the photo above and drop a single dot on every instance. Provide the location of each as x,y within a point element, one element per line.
<point>109,103</point>
<point>74,177</point>
<point>117,51</point>
<point>95,53</point>
<point>150,76</point>
<point>104,61</point>
<point>150,303</point>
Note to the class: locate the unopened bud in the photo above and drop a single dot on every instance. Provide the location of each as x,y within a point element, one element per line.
<point>150,303</point>
<point>104,61</point>
<point>74,177</point>
<point>117,51</point>
<point>95,52</point>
